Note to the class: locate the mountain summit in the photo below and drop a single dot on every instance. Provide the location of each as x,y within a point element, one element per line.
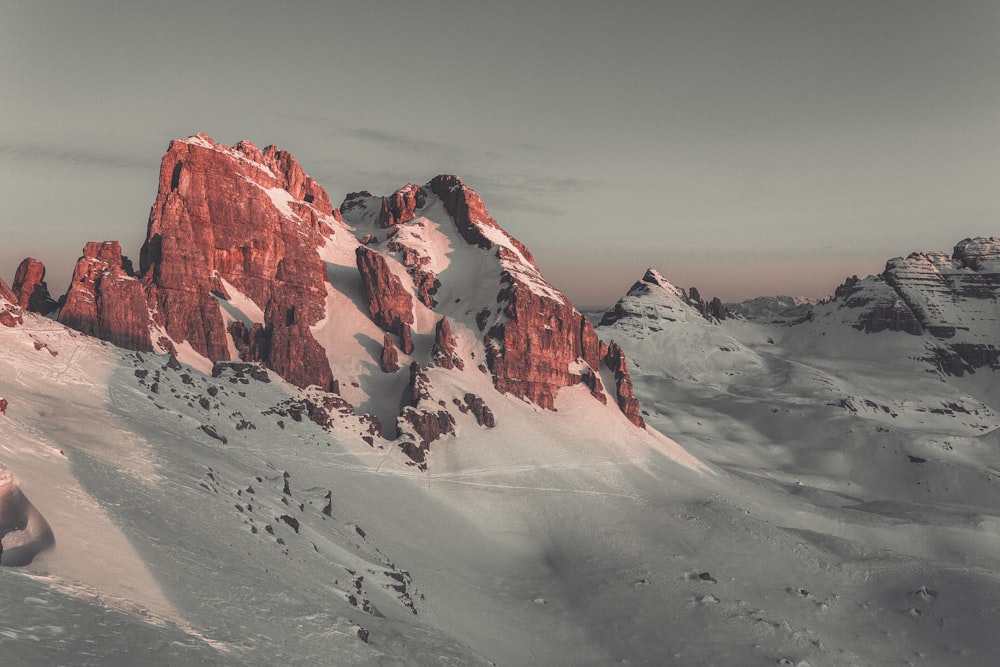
<point>245,259</point>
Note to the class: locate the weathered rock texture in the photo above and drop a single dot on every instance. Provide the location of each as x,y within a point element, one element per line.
<point>401,206</point>
<point>950,299</point>
<point>250,217</point>
<point>398,210</point>
<point>10,312</point>
<point>390,304</point>
<point>477,406</point>
<point>627,402</point>
<point>105,299</point>
<point>30,288</point>
<point>443,349</point>
<point>710,310</point>
<point>536,334</point>
<point>390,356</point>
<point>421,421</point>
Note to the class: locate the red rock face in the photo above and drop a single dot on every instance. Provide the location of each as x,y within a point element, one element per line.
<point>443,349</point>
<point>7,293</point>
<point>253,218</point>
<point>10,312</point>
<point>400,207</point>
<point>389,302</point>
<point>627,402</point>
<point>540,335</point>
<point>470,214</point>
<point>106,300</point>
<point>390,356</point>
<point>30,288</point>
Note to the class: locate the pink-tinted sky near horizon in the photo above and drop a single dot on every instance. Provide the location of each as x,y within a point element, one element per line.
<point>744,148</point>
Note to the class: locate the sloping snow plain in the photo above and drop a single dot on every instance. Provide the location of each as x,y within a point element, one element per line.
<point>868,482</point>
<point>828,504</point>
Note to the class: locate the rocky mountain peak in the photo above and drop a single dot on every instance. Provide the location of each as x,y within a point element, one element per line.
<point>105,298</point>
<point>949,299</point>
<point>245,259</point>
<point>247,218</point>
<point>978,254</point>
<point>31,289</point>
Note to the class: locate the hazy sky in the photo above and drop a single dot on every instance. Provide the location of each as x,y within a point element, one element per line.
<point>747,147</point>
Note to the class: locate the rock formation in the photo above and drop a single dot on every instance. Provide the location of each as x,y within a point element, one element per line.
<point>7,293</point>
<point>389,302</point>
<point>401,206</point>
<point>710,310</point>
<point>105,299</point>
<point>10,312</point>
<point>253,219</point>
<point>949,299</point>
<point>536,333</point>
<point>390,356</point>
<point>235,265</point>
<point>421,421</point>
<point>443,349</point>
<point>30,288</point>
<point>477,406</point>
<point>627,402</point>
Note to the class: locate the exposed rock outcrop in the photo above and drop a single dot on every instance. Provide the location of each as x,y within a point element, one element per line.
<point>536,333</point>
<point>401,206</point>
<point>443,349</point>
<point>7,293</point>
<point>881,307</point>
<point>253,219</point>
<point>389,302</point>
<point>30,288</point>
<point>477,406</point>
<point>421,421</point>
<point>627,402</point>
<point>950,299</point>
<point>390,356</point>
<point>710,310</point>
<point>105,299</point>
<point>10,312</point>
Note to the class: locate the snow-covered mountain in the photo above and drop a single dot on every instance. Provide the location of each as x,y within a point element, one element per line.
<point>375,434</point>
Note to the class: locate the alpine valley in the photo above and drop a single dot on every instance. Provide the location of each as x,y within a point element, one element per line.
<point>374,434</point>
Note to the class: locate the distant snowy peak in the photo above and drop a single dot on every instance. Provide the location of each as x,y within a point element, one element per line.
<point>979,254</point>
<point>774,309</point>
<point>950,299</point>
<point>654,277</point>
<point>671,331</point>
<point>653,297</point>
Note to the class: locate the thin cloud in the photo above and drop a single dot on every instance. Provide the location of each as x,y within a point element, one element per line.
<point>402,142</point>
<point>76,157</point>
<point>391,140</point>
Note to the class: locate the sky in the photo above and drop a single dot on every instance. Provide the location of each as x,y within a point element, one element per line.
<point>747,148</point>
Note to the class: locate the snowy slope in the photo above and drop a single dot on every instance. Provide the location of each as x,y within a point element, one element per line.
<point>825,497</point>
<point>562,538</point>
<point>194,517</point>
<point>883,470</point>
